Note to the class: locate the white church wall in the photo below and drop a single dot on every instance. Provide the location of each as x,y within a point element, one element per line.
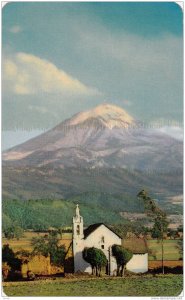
<point>102,236</point>
<point>113,266</point>
<point>79,263</point>
<point>78,244</point>
<point>138,263</point>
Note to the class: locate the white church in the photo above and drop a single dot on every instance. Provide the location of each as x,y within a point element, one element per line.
<point>102,237</point>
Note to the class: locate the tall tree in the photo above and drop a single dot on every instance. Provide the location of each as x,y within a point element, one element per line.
<point>10,261</point>
<point>49,245</point>
<point>122,256</point>
<point>13,231</point>
<point>96,258</point>
<point>159,218</point>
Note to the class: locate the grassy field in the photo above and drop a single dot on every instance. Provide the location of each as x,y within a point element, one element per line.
<point>159,285</point>
<point>25,241</point>
<point>171,251</point>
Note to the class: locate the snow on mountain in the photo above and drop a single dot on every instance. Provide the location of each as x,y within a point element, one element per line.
<point>110,115</point>
<point>105,139</point>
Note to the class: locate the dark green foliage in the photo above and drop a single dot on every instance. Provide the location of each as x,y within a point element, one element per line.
<point>18,232</point>
<point>160,227</point>
<point>40,246</point>
<point>8,233</point>
<point>134,227</point>
<point>14,232</point>
<point>9,257</point>
<point>48,245</point>
<point>122,256</point>
<point>172,233</point>
<point>151,208</point>
<point>39,215</point>
<point>159,217</point>
<point>24,255</point>
<point>11,229</point>
<point>96,258</point>
<point>180,248</point>
<point>112,202</point>
<point>180,228</point>
<point>6,222</point>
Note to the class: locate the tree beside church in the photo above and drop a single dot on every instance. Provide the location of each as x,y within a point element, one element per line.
<point>101,237</point>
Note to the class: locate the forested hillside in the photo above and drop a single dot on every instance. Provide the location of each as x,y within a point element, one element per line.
<point>42,214</point>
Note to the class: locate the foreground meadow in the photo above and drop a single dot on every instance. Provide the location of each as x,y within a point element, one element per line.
<point>144,285</point>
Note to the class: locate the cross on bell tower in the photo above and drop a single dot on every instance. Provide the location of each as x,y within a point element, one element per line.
<point>78,232</point>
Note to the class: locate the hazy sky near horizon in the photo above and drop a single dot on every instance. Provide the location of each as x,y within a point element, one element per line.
<point>62,58</point>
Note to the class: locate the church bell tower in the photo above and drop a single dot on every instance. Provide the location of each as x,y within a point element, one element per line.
<point>78,231</point>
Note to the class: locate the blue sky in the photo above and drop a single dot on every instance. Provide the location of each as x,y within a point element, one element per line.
<point>61,58</point>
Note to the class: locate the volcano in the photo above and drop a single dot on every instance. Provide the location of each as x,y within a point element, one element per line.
<point>100,150</point>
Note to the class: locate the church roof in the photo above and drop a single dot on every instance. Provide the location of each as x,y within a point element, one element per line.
<point>136,245</point>
<point>93,227</point>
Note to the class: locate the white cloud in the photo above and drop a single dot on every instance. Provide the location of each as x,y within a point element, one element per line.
<point>135,52</point>
<point>148,69</point>
<point>26,74</point>
<point>15,29</point>
<point>173,131</point>
<point>142,62</point>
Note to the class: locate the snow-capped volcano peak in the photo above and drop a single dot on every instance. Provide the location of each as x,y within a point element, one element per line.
<point>94,151</point>
<point>109,115</point>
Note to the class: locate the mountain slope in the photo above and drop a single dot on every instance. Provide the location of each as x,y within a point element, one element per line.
<point>100,150</point>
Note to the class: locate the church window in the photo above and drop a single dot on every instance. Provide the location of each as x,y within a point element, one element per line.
<point>78,229</point>
<point>102,239</point>
<point>102,246</point>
